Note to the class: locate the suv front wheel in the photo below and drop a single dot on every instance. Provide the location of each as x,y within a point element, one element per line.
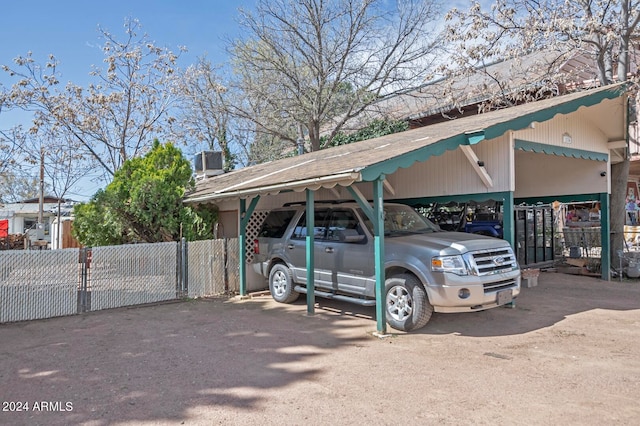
<point>406,302</point>
<point>281,284</point>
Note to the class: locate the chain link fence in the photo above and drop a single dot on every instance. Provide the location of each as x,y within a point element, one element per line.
<point>49,283</point>
<point>212,267</point>
<point>38,284</point>
<point>132,275</point>
<point>583,242</point>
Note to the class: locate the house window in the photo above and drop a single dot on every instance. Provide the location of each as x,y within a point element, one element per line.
<point>29,224</point>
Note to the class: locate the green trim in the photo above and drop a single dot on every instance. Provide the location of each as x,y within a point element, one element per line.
<point>311,287</point>
<point>523,121</point>
<point>387,167</point>
<point>475,137</point>
<point>541,148</point>
<point>479,198</point>
<point>576,198</point>
<point>407,159</point>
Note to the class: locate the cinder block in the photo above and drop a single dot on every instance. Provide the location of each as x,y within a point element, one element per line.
<point>529,282</point>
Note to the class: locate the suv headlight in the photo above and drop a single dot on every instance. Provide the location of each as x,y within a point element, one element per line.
<point>453,264</point>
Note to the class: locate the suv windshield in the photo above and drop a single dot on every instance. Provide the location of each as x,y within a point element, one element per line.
<point>400,220</point>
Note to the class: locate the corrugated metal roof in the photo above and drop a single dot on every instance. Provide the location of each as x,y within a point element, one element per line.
<point>367,160</point>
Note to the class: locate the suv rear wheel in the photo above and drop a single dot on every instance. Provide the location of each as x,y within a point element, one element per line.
<point>281,284</point>
<point>406,303</point>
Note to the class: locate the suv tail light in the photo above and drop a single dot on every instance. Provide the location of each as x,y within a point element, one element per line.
<point>256,246</point>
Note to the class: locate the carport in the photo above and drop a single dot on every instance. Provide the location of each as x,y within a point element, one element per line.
<point>559,147</point>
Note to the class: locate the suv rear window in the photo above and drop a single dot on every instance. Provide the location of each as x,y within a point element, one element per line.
<point>276,223</point>
<point>319,230</point>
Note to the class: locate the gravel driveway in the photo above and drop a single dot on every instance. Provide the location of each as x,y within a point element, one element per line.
<point>569,353</point>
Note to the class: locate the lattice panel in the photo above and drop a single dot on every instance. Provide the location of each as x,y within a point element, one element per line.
<point>253,227</point>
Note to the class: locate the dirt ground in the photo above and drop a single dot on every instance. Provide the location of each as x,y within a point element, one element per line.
<point>569,353</point>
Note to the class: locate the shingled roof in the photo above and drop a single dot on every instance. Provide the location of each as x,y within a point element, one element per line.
<point>505,78</point>
<point>367,160</point>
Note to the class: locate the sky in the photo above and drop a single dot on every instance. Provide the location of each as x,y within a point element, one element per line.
<point>68,29</point>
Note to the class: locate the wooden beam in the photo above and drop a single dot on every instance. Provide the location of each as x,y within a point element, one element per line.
<point>362,201</point>
<point>390,189</point>
<point>335,191</point>
<point>355,192</point>
<point>475,163</point>
<point>616,156</point>
<point>617,144</point>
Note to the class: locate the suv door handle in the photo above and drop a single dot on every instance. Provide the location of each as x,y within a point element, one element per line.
<point>328,250</point>
<point>291,246</point>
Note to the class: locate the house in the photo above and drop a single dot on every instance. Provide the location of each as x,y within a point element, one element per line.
<point>507,83</point>
<point>560,148</point>
<point>22,217</point>
<point>498,85</point>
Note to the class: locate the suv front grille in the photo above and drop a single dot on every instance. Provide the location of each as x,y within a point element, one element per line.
<point>499,285</point>
<point>489,262</point>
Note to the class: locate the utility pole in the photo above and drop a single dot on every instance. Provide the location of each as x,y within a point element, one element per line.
<point>300,141</point>
<point>40,225</point>
<point>41,206</point>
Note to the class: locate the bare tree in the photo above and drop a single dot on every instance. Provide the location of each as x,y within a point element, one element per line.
<point>203,115</point>
<point>602,31</point>
<point>10,141</point>
<point>18,185</point>
<point>113,119</point>
<point>63,167</point>
<point>318,63</point>
<point>606,33</point>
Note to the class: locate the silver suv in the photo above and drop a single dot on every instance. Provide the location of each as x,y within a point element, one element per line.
<point>427,270</point>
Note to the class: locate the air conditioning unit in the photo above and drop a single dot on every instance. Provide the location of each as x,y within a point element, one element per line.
<point>208,163</point>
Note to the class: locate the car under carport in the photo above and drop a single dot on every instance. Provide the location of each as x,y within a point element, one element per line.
<point>556,148</point>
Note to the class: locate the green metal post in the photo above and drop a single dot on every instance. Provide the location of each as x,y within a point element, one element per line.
<point>508,219</point>
<point>378,256</point>
<point>245,215</point>
<point>311,288</point>
<point>243,249</point>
